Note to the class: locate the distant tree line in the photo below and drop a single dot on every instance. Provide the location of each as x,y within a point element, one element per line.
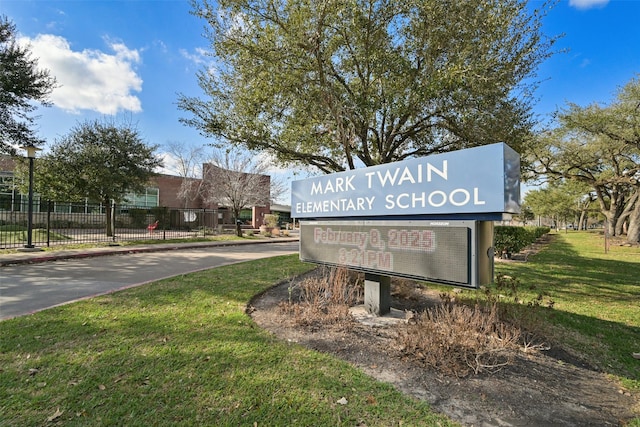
<point>591,156</point>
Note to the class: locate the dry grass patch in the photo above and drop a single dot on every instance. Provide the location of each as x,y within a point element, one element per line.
<point>457,339</point>
<point>454,337</point>
<point>324,298</point>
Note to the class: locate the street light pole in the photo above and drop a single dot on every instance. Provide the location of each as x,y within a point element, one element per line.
<point>31,154</point>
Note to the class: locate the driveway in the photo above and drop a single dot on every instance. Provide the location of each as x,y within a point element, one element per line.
<point>28,288</point>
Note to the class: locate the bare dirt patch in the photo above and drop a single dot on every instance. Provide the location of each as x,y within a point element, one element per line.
<point>539,388</point>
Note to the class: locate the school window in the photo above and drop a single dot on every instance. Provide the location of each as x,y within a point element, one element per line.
<point>147,199</point>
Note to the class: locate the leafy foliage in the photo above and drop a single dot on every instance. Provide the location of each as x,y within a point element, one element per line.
<point>514,239</point>
<point>562,201</point>
<point>599,146</point>
<point>21,83</point>
<point>98,160</point>
<point>340,84</point>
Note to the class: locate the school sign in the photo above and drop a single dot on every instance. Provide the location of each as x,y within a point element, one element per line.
<point>482,181</point>
<point>429,218</point>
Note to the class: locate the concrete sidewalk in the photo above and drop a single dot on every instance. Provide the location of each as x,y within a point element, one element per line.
<point>15,258</point>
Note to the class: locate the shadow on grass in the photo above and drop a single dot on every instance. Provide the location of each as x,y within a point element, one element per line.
<point>596,301</point>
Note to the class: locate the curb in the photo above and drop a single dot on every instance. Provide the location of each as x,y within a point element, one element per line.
<point>133,250</point>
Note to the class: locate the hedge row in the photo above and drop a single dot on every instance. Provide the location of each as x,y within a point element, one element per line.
<point>513,239</point>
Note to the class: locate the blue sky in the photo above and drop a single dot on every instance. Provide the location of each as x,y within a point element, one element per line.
<point>131,58</point>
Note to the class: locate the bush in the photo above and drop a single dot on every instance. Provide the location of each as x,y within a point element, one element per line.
<point>271,220</point>
<point>13,227</point>
<point>476,334</point>
<point>457,339</point>
<point>138,217</point>
<point>513,239</point>
<point>324,299</point>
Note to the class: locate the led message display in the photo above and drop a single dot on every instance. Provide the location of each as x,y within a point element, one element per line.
<point>428,250</point>
<point>477,180</point>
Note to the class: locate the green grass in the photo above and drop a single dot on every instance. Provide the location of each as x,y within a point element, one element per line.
<point>596,312</point>
<point>182,352</point>
<point>37,234</point>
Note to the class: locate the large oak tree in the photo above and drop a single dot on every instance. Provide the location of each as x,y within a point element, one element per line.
<point>339,84</point>
<point>599,145</point>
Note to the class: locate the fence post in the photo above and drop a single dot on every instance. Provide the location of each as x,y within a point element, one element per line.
<point>49,204</point>
<point>202,222</point>
<point>113,220</point>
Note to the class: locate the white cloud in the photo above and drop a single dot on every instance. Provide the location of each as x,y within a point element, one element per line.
<point>170,165</point>
<point>89,79</point>
<point>198,58</point>
<point>587,4</point>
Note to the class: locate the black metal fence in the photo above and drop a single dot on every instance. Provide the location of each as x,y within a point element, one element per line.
<point>56,223</point>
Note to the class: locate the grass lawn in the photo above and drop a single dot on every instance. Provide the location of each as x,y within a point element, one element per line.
<point>183,352</point>
<point>596,295</point>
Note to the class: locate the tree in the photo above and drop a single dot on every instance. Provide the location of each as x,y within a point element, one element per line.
<point>21,83</point>
<point>526,214</point>
<point>235,180</point>
<point>98,160</point>
<point>559,201</point>
<point>338,84</point>
<point>600,146</point>
<point>619,124</point>
<point>188,165</point>
<point>595,161</point>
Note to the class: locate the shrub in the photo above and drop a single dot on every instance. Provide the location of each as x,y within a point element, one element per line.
<point>138,217</point>
<point>407,289</point>
<point>509,239</point>
<point>479,334</point>
<point>13,227</point>
<point>271,220</point>
<point>325,298</point>
<point>457,339</point>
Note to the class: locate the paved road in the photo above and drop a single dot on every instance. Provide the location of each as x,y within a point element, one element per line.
<point>29,288</point>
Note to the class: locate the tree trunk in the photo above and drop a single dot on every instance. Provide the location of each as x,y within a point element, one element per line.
<point>611,222</point>
<point>108,217</point>
<point>611,206</point>
<point>633,232</point>
<point>627,213</point>
<point>236,215</point>
<point>584,212</point>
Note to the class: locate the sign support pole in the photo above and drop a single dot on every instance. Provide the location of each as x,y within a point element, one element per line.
<point>377,294</point>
